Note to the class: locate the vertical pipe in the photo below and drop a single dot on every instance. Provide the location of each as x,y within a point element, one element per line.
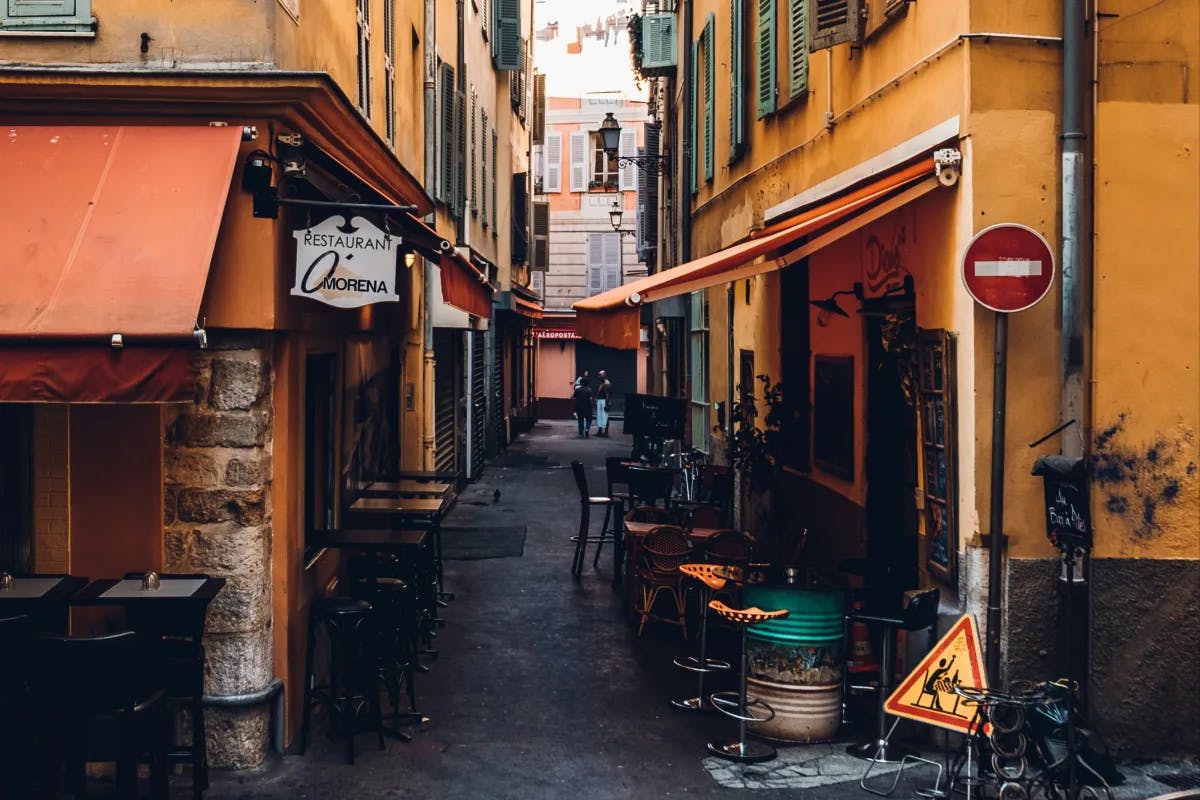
<point>1073,179</point>
<point>427,365</point>
<point>996,526</point>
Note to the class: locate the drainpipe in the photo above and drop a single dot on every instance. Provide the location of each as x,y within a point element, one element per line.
<point>427,365</point>
<point>1076,303</point>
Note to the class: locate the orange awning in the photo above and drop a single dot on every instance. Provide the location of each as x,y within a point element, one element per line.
<point>612,318</point>
<point>528,308</point>
<point>106,230</point>
<point>463,286</point>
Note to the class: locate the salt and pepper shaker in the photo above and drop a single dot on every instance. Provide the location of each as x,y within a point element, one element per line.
<point>6,582</point>
<point>150,581</point>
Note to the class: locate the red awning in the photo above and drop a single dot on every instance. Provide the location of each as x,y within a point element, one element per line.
<point>612,318</point>
<point>527,308</point>
<point>107,230</point>
<point>465,287</point>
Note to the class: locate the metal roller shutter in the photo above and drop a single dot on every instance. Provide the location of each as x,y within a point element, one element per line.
<point>445,348</point>
<point>478,402</point>
<point>499,402</point>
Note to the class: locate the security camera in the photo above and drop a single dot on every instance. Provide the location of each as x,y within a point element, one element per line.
<point>947,163</point>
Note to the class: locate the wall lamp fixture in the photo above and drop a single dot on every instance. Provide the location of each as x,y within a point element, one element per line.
<point>614,216</point>
<point>829,305</point>
<point>610,138</point>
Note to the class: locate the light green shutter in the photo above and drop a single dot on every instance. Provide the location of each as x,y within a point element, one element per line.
<point>495,179</point>
<point>798,48</point>
<point>695,116</point>
<point>507,14</point>
<point>737,78</point>
<point>709,110</point>
<point>766,57</point>
<point>474,161</point>
<point>483,173</point>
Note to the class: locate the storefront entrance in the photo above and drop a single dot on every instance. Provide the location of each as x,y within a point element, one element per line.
<point>16,492</point>
<point>620,365</point>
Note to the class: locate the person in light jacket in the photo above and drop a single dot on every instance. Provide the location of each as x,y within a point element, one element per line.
<point>603,396</point>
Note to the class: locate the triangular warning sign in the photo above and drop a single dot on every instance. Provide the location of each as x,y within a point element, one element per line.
<point>927,694</point>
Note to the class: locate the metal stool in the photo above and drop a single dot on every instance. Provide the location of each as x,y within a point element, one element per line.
<point>700,664</point>
<point>736,704</point>
<point>353,684</point>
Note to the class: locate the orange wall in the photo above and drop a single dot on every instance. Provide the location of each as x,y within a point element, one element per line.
<point>116,489</point>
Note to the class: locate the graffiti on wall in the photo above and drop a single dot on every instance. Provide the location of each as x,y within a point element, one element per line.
<point>1139,480</point>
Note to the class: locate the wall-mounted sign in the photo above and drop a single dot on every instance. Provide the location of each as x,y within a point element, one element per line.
<point>555,333</point>
<point>346,265</point>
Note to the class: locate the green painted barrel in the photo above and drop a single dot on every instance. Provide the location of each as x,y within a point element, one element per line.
<point>795,663</point>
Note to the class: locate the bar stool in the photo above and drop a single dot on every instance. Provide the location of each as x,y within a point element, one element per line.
<point>709,581</point>
<point>352,683</point>
<point>919,612</point>
<point>737,704</point>
<point>609,532</point>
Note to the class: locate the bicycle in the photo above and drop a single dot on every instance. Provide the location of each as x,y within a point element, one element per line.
<point>1037,742</point>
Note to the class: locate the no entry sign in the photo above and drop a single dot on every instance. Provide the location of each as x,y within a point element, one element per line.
<point>1008,267</point>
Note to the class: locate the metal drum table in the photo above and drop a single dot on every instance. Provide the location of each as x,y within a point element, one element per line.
<point>796,663</point>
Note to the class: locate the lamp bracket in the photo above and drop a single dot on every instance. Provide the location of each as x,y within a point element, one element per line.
<point>650,164</point>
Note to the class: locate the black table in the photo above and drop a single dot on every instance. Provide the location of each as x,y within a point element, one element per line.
<point>46,608</point>
<point>403,513</point>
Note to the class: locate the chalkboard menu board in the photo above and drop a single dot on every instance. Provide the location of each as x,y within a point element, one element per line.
<point>654,416</point>
<point>1068,519</point>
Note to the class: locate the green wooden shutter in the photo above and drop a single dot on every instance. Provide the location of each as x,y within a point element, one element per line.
<point>834,22</point>
<point>797,48</point>
<point>507,14</point>
<point>483,189</point>
<point>695,116</point>
<point>709,111</point>
<point>766,57</point>
<point>446,182</point>
<point>474,161</point>
<point>737,79</point>
<point>495,179</point>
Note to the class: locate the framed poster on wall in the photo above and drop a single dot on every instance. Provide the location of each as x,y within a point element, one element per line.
<point>833,415</point>
<point>939,433</point>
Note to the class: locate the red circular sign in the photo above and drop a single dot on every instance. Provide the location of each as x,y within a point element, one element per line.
<point>1008,267</point>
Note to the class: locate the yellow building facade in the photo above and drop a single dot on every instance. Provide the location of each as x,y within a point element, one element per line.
<point>783,113</point>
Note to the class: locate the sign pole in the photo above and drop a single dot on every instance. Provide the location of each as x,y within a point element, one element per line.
<point>996,525</point>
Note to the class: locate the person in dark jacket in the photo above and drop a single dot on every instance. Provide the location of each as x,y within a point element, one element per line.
<point>583,407</point>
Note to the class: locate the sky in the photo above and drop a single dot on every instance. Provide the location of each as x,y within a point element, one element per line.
<point>598,68</point>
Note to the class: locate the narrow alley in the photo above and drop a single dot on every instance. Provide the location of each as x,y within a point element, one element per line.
<point>541,688</point>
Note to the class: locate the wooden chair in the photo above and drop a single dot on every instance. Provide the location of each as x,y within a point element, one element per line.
<point>664,550</point>
<point>616,473</point>
<point>648,486</point>
<point>88,697</point>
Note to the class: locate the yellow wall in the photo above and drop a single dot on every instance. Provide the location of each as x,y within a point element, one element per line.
<point>1146,495</point>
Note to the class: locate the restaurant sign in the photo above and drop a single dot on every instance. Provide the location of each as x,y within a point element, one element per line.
<point>346,264</point>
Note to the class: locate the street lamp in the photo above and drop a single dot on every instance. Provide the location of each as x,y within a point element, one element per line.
<point>614,216</point>
<point>610,138</point>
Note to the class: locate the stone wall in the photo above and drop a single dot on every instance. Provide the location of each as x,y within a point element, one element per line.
<point>217,519</point>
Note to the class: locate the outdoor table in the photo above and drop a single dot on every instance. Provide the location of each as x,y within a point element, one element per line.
<point>411,544</point>
<point>636,531</point>
<point>408,512</point>
<point>43,598</point>
<point>406,487</point>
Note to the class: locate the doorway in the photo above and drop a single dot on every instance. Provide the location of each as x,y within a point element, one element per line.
<point>320,441</point>
<point>16,488</point>
<point>891,453</point>
<point>619,365</point>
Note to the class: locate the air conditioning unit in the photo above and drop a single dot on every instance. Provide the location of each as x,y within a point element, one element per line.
<point>658,41</point>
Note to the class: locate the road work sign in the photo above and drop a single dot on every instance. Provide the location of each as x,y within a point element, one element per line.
<point>1008,267</point>
<point>927,694</point>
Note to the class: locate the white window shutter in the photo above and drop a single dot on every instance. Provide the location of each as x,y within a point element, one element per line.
<point>579,165</point>
<point>553,163</point>
<point>628,148</point>
<point>612,260</point>
<point>595,263</point>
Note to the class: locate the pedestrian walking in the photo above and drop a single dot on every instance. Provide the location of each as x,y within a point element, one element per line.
<point>583,407</point>
<point>603,396</point>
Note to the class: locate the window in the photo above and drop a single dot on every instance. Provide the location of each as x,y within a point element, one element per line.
<point>605,174</point>
<point>389,71</point>
<point>446,179</point>
<point>578,155</point>
<point>707,44</point>
<point>474,161</point>
<point>737,81</point>
<point>797,49</point>
<point>539,168</point>
<point>603,262</point>
<point>698,351</point>
<point>364,57</point>
<point>38,17</point>
<point>552,175</point>
<point>766,57</point>
<point>483,190</point>
<point>495,180</point>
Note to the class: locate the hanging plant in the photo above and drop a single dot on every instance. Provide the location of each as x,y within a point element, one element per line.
<point>757,447</point>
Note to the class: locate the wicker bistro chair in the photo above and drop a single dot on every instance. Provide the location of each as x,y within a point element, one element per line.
<point>664,550</point>
<point>609,532</point>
